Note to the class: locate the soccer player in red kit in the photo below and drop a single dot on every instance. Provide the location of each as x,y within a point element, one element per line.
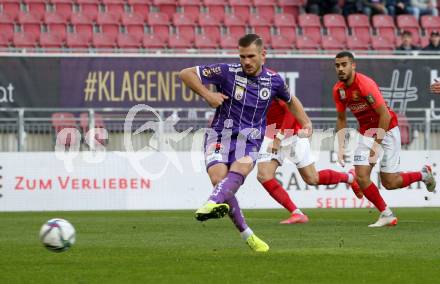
<point>379,132</point>
<point>280,142</point>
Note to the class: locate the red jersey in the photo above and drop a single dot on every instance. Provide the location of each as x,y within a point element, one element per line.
<point>362,97</point>
<point>283,119</point>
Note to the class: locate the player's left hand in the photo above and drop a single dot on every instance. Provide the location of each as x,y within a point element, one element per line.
<point>274,146</point>
<point>435,87</point>
<point>306,131</point>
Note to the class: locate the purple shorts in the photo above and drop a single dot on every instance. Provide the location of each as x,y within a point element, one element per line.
<point>230,149</point>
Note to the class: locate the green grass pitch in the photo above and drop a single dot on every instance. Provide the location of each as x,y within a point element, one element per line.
<point>171,247</point>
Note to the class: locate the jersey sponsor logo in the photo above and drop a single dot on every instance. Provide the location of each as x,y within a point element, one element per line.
<point>239,91</point>
<point>356,96</point>
<point>209,71</point>
<point>264,79</point>
<point>266,84</point>
<point>235,70</point>
<point>213,152</point>
<point>342,95</point>
<point>240,79</point>
<point>264,93</point>
<point>358,107</point>
<point>370,99</point>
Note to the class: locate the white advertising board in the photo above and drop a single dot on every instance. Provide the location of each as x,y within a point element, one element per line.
<point>38,181</point>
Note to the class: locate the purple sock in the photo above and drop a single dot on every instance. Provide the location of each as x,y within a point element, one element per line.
<point>227,188</point>
<point>236,215</point>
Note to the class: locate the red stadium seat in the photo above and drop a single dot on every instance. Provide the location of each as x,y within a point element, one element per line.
<point>266,9</point>
<point>424,40</point>
<point>430,23</point>
<point>11,8</point>
<point>30,22</point>
<point>51,40</point>
<point>134,23</point>
<point>336,27</point>
<point>241,8</point>
<point>356,43</point>
<point>25,40</point>
<point>216,8</point>
<point>114,6</point>
<point>409,23</point>
<point>36,7</point>
<point>206,19</point>
<point>261,26</point>
<point>6,26</point>
<point>235,24</point>
<point>360,26</point>
<point>63,7</point>
<point>285,20</point>
<point>140,6</point>
<point>191,8</point>
<point>64,120</point>
<point>332,43</point>
<point>4,41</point>
<point>310,26</point>
<point>128,41</point>
<point>291,6</point>
<point>159,23</point>
<point>154,41</point>
<point>89,8</point>
<point>166,6</point>
<point>306,43</point>
<point>212,32</point>
<point>229,41</point>
<point>109,23</point>
<point>186,31</point>
<point>179,42</point>
<point>82,24</point>
<point>381,43</point>
<point>384,25</point>
<point>205,42</point>
<point>102,40</point>
<point>56,23</point>
<point>76,40</point>
<point>280,42</point>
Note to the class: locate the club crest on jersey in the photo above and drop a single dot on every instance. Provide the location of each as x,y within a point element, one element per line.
<point>370,99</point>
<point>342,94</point>
<point>356,96</point>
<point>264,93</point>
<point>239,91</point>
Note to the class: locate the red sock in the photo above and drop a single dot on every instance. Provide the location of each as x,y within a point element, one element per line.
<point>279,194</point>
<point>410,177</point>
<point>332,177</point>
<point>372,194</point>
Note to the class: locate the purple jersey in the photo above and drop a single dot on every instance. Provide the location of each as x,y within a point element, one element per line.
<point>249,96</point>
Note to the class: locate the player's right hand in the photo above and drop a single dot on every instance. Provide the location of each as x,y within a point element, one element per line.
<point>435,87</point>
<point>215,99</point>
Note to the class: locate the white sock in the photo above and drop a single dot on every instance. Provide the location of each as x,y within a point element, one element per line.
<point>387,212</point>
<point>350,178</point>
<point>246,234</point>
<point>297,211</point>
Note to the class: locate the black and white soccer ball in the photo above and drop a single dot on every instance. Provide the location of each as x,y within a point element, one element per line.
<point>57,235</point>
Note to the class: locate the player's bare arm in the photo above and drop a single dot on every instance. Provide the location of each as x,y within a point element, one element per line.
<point>297,109</point>
<point>191,79</point>
<point>341,125</point>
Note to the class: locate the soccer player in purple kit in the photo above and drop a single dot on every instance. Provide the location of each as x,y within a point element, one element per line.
<point>244,93</point>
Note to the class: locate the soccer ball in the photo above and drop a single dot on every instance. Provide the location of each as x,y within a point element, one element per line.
<point>57,235</point>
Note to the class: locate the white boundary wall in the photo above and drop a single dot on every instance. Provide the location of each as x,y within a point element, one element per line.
<point>40,182</point>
